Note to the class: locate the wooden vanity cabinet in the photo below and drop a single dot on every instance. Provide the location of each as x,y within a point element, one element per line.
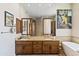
<point>37,47</point>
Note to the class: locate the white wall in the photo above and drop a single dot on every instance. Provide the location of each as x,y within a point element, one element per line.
<point>23,12</point>
<point>75,22</point>
<point>7,40</point>
<point>62,32</point>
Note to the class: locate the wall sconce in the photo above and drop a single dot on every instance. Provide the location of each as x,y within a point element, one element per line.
<point>12,30</point>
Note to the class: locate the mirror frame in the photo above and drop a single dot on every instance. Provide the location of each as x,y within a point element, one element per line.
<point>26,25</point>
<point>43,26</point>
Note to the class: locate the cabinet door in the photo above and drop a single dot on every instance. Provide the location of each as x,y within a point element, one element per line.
<point>55,47</point>
<point>27,48</point>
<point>37,47</point>
<point>46,47</point>
<point>19,49</point>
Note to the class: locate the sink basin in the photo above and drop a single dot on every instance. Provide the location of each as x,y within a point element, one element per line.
<point>23,39</point>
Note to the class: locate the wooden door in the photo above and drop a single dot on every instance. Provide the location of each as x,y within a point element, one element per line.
<point>23,47</point>
<point>19,49</point>
<point>55,47</point>
<point>46,47</point>
<point>27,48</point>
<point>18,25</point>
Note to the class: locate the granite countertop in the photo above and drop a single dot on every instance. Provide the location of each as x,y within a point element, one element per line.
<point>37,40</point>
<point>40,38</point>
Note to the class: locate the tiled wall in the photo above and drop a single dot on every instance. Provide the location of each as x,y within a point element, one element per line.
<point>75,39</point>
<point>64,38</point>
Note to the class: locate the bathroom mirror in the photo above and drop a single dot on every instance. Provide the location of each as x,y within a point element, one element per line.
<point>33,27</point>
<point>49,26</point>
<point>28,26</point>
<point>25,26</point>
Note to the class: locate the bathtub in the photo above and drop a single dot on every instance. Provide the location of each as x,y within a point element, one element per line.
<point>71,48</point>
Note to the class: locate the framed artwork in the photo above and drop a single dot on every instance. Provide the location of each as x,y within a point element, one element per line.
<point>9,19</point>
<point>64,19</point>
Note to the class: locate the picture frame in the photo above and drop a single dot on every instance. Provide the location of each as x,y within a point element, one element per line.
<point>64,19</point>
<point>9,19</point>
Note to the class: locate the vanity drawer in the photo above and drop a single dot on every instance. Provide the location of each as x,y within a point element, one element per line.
<point>24,42</point>
<point>55,43</point>
<point>37,42</point>
<point>37,46</point>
